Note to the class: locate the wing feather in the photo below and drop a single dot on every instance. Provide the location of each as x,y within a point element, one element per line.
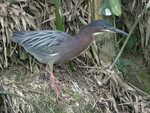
<point>44,42</point>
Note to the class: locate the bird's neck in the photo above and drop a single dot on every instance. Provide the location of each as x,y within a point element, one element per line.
<point>87,32</point>
<point>76,45</point>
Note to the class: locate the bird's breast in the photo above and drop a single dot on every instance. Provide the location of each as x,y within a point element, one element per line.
<point>74,46</point>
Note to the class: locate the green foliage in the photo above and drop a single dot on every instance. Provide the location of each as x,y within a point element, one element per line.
<point>118,42</point>
<point>59,24</point>
<point>120,64</point>
<point>110,7</point>
<point>131,42</point>
<point>105,8</point>
<point>115,6</point>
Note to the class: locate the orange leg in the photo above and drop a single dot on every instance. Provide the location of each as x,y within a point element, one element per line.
<point>56,84</point>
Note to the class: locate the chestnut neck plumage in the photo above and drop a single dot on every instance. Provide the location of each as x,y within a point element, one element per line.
<point>74,46</point>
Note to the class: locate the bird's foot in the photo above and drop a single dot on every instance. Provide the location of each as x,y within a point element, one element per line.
<point>56,84</point>
<point>59,83</point>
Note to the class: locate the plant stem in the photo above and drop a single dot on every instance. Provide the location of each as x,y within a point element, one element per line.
<point>136,22</point>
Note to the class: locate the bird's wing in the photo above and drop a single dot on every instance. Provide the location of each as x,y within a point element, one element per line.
<point>44,42</point>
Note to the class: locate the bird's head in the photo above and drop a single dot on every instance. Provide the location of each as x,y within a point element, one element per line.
<point>104,26</point>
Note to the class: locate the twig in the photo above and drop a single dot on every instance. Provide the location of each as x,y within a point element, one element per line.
<point>64,14</point>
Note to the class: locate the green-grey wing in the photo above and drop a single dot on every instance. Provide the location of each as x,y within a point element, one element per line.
<point>44,42</point>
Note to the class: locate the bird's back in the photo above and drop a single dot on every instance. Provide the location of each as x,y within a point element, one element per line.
<point>43,45</point>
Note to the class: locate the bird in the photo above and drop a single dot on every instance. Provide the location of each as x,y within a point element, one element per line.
<point>51,46</point>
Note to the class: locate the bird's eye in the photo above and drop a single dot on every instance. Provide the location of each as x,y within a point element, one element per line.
<point>105,27</point>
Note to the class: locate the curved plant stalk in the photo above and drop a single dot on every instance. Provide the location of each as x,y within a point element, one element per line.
<point>59,24</point>
<point>136,22</point>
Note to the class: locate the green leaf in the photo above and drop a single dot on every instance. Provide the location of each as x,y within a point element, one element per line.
<point>59,24</point>
<point>115,7</point>
<point>123,69</point>
<point>131,42</point>
<point>120,64</point>
<point>122,61</point>
<point>105,9</point>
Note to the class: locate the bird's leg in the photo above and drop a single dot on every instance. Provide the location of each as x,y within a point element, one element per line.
<point>56,84</point>
<point>56,80</point>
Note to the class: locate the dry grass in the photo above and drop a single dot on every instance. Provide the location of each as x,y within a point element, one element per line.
<point>102,89</point>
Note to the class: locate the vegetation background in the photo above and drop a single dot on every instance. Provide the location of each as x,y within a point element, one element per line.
<point>24,84</point>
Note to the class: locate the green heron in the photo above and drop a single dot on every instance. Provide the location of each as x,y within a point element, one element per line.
<point>50,46</point>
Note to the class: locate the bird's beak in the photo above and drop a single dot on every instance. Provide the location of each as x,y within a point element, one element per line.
<point>112,29</point>
<point>119,31</point>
